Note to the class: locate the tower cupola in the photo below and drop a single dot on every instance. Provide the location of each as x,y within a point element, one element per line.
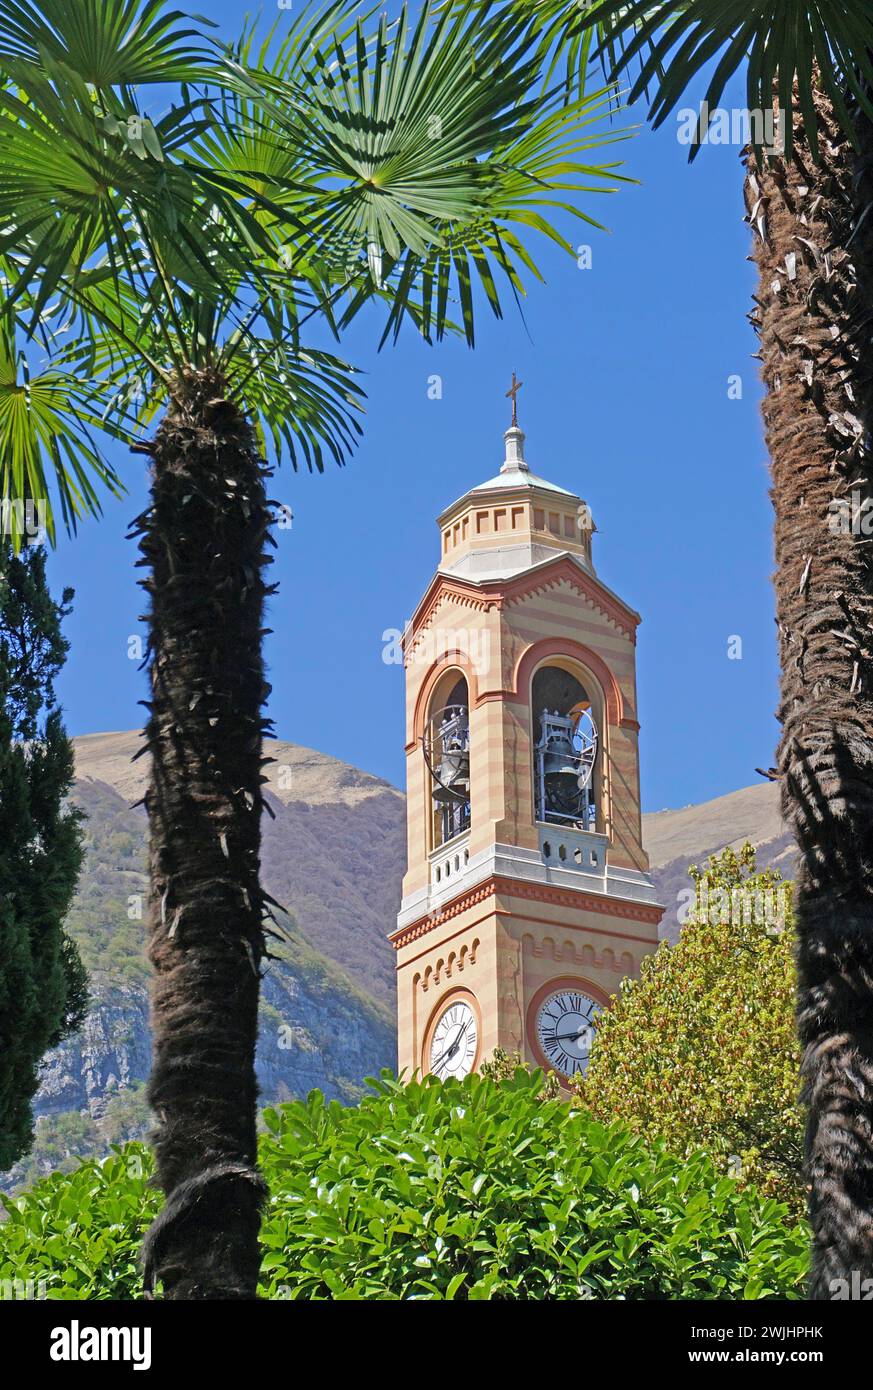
<point>514,520</point>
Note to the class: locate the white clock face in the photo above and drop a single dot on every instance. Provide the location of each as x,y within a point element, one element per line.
<point>455,1038</point>
<point>565,1030</point>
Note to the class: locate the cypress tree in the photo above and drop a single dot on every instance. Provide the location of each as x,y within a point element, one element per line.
<point>43,985</point>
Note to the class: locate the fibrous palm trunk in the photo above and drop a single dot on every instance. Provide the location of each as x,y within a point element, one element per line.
<point>202,539</point>
<point>814,251</point>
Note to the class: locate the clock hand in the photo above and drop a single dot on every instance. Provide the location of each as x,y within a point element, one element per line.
<point>572,1037</point>
<point>442,1060</point>
<point>456,1044</point>
<point>454,1047</point>
<point>450,1051</point>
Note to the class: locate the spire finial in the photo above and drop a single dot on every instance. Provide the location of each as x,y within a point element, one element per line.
<point>514,437</point>
<point>513,393</point>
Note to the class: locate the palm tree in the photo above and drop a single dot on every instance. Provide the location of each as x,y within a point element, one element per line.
<point>166,265</point>
<point>810,64</point>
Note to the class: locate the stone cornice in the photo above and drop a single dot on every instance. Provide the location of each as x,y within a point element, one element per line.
<point>581,900</point>
<point>464,592</point>
<point>533,490</point>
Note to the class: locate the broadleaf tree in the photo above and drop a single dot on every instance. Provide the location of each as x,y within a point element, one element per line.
<point>701,1051</point>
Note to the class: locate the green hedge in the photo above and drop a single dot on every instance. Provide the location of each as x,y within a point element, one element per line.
<point>462,1190</point>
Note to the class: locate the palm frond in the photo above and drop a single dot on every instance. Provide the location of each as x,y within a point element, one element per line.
<point>312,172</point>
<point>423,149</point>
<point>48,451</point>
<point>527,178</point>
<point>109,43</point>
<point>305,402</point>
<point>785,46</point>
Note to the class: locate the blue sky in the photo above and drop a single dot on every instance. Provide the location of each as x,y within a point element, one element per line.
<point>626,401</point>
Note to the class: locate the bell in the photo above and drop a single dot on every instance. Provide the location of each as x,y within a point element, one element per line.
<point>560,762</point>
<point>563,793</point>
<point>558,765</point>
<point>559,756</point>
<point>452,770</point>
<point>452,776</point>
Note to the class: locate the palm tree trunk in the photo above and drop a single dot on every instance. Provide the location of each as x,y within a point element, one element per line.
<point>202,539</point>
<point>815,257</point>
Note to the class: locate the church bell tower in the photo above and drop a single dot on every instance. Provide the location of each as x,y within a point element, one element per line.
<point>527,896</point>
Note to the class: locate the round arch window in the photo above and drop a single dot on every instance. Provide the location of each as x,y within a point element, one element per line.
<point>446,746</point>
<point>566,745</point>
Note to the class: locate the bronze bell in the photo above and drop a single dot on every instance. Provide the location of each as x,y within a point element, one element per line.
<point>452,771</point>
<point>560,770</point>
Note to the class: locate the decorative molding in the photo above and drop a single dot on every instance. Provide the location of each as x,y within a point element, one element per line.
<point>582,900</point>
<point>404,935</point>
<point>454,660</point>
<point>607,959</point>
<point>564,570</point>
<point>531,657</point>
<point>515,864</point>
<point>442,588</point>
<point>495,593</point>
<point>447,965</point>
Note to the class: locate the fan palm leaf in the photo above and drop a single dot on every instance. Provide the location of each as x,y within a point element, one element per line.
<point>662,46</point>
<point>50,422</point>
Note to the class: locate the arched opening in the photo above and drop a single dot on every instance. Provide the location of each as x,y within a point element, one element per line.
<point>446,745</point>
<point>566,743</point>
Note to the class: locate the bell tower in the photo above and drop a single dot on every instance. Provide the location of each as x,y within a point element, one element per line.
<point>527,896</point>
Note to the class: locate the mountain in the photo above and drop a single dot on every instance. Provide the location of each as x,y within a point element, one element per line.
<point>334,856</point>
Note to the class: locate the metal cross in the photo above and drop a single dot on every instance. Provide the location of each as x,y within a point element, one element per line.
<point>513,393</point>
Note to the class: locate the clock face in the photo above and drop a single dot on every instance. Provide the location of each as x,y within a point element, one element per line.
<point>454,1042</point>
<point>565,1030</point>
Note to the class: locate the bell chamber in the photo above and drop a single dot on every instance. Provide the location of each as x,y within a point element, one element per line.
<point>565,740</point>
<point>446,746</point>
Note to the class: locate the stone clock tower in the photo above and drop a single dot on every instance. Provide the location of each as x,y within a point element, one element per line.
<point>527,897</point>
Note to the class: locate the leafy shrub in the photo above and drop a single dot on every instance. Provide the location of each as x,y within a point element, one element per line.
<point>469,1190</point>
<point>702,1050</point>
<point>77,1235</point>
<point>502,1066</point>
